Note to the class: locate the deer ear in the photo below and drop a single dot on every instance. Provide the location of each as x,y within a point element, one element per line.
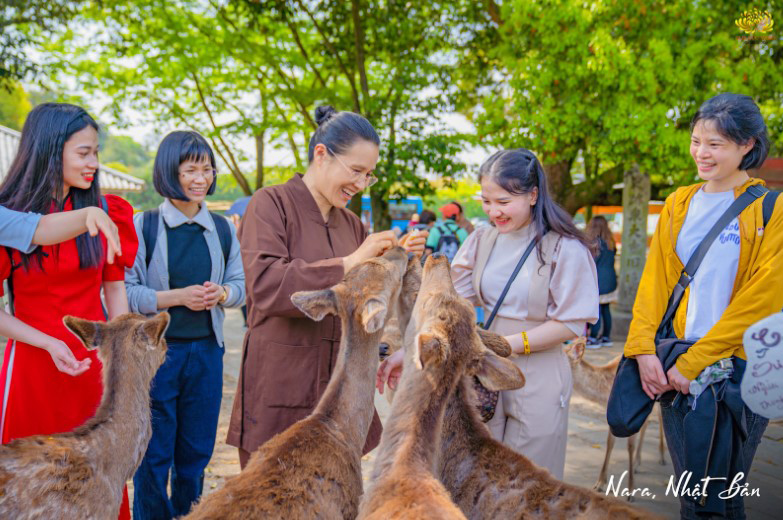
<point>429,350</point>
<point>497,373</point>
<point>576,349</point>
<point>494,342</point>
<point>155,327</point>
<point>88,332</point>
<point>373,315</point>
<point>316,304</point>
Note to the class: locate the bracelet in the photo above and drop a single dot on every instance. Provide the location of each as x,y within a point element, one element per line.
<point>527,342</point>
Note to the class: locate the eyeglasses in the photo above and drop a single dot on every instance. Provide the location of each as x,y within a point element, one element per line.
<point>208,175</point>
<point>369,178</point>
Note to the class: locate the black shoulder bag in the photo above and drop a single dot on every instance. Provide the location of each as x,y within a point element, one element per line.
<point>488,399</point>
<point>628,405</point>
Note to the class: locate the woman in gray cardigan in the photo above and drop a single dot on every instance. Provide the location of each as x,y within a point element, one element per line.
<point>188,263</point>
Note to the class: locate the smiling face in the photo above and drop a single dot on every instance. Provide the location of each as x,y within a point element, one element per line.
<point>508,211</point>
<point>717,157</point>
<point>342,176</point>
<point>80,159</point>
<point>195,178</point>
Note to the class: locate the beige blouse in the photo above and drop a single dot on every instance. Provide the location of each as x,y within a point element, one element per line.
<point>573,290</point>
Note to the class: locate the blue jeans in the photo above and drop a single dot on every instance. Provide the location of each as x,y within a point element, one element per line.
<point>673,416</point>
<point>186,394</point>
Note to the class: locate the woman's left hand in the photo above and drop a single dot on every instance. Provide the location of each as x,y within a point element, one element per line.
<point>213,294</point>
<point>678,381</point>
<point>415,241</point>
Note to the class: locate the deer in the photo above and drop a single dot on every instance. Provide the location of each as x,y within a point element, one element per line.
<point>313,469</point>
<point>443,342</point>
<point>594,383</point>
<point>82,473</point>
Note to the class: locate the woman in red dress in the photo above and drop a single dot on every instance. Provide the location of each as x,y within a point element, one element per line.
<point>56,169</point>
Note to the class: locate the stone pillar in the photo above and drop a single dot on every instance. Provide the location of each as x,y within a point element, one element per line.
<point>636,196</point>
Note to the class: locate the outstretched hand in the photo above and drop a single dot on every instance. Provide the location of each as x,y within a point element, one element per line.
<point>390,371</point>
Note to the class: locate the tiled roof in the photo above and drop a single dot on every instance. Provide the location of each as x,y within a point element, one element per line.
<point>112,181</point>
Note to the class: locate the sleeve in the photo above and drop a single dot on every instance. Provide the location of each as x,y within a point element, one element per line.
<point>272,276</point>
<point>141,298</point>
<point>17,229</point>
<point>121,213</point>
<point>573,289</point>
<point>5,268</point>
<point>652,294</point>
<point>761,296</point>
<point>462,268</point>
<point>234,276</point>
<point>462,235</point>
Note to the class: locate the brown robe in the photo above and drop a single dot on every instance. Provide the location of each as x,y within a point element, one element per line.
<point>287,359</point>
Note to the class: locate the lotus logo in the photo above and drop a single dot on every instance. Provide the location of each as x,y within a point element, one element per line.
<point>754,21</point>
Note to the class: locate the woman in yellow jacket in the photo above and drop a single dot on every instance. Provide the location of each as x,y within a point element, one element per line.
<point>739,282</point>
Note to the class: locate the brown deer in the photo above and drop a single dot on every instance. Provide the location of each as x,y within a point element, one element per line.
<point>313,469</point>
<point>81,474</point>
<point>594,383</point>
<point>443,343</point>
<point>489,480</point>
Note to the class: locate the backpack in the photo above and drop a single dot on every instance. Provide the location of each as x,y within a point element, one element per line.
<point>448,243</point>
<point>149,231</point>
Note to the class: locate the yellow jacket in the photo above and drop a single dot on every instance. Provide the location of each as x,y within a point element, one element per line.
<point>757,292</point>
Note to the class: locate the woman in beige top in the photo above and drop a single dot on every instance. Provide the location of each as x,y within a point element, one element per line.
<point>551,300</point>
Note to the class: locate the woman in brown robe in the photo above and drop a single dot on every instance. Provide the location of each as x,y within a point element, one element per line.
<point>298,236</point>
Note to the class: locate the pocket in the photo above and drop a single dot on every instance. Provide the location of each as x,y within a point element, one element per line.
<point>289,375</point>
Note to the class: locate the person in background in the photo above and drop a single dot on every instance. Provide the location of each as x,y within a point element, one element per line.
<point>191,267</point>
<point>599,233</point>
<point>461,220</point>
<point>446,237</point>
<point>56,170</point>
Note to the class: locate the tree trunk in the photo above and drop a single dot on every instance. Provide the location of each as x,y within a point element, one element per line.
<point>381,220</point>
<point>558,175</point>
<point>260,160</point>
<point>636,197</point>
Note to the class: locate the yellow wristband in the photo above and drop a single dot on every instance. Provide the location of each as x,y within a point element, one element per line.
<point>527,342</point>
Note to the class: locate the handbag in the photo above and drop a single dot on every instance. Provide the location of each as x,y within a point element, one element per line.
<point>488,399</point>
<point>628,405</point>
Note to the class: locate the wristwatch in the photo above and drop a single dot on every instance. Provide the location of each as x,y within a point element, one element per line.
<point>224,296</point>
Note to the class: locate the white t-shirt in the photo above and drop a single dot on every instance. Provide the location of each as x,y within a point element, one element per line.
<point>712,285</point>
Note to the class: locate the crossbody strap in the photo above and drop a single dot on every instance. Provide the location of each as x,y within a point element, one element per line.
<point>518,268</point>
<point>665,329</point>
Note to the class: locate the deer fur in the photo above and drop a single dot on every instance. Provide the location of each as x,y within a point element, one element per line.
<point>444,341</point>
<point>594,383</point>
<point>313,469</point>
<point>81,474</point>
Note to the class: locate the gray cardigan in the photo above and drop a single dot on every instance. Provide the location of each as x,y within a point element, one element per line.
<point>141,284</point>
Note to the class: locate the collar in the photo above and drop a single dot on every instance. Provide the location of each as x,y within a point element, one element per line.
<point>174,217</point>
<point>303,196</point>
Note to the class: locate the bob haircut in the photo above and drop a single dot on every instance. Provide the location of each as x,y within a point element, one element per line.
<point>36,174</point>
<point>176,148</point>
<point>737,118</point>
<point>338,131</point>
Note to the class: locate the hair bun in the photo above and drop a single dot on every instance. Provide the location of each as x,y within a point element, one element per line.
<point>323,113</point>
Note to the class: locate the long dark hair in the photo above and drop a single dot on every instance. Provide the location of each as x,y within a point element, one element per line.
<point>35,178</point>
<point>598,228</point>
<point>518,171</point>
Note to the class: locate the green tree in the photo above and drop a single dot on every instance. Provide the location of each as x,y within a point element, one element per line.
<point>597,87</point>
<point>259,68</point>
<point>14,106</point>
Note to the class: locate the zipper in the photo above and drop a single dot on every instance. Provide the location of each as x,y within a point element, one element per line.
<point>703,499</point>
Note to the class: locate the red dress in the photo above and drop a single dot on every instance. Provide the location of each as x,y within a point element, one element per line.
<point>38,398</point>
